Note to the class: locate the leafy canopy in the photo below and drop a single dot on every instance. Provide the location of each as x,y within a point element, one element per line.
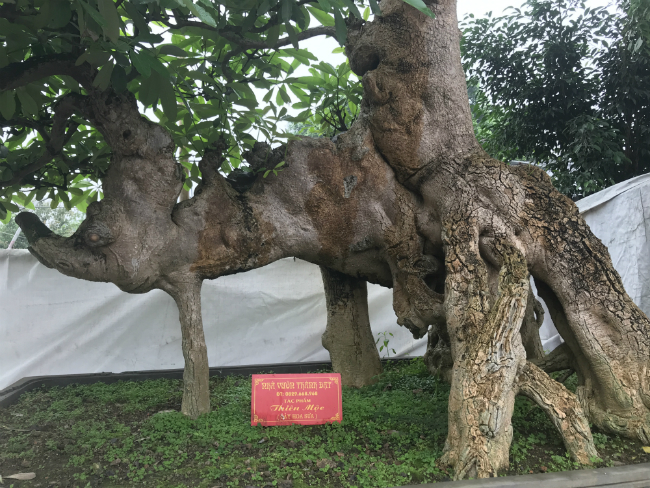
<point>205,69</point>
<point>564,86</point>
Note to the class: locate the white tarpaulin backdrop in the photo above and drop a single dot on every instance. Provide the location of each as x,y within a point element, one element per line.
<point>53,324</point>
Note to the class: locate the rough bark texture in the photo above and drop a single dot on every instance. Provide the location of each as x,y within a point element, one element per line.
<point>196,388</point>
<point>406,199</point>
<point>533,320</point>
<point>563,409</point>
<point>348,337</point>
<point>489,354</point>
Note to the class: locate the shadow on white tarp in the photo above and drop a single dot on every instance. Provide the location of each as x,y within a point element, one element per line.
<point>53,324</point>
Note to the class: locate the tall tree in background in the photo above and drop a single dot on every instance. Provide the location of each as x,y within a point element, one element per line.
<point>566,87</point>
<point>405,198</point>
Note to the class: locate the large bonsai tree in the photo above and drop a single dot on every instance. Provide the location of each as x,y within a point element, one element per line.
<point>405,198</point>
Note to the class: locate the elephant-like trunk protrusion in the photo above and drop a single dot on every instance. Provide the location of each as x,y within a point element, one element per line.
<point>61,253</point>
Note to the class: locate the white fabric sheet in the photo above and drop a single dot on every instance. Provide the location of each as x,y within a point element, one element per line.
<point>54,324</point>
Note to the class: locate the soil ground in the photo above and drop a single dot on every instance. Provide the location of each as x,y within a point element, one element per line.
<point>132,434</point>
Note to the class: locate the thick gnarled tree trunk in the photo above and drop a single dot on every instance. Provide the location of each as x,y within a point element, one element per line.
<point>348,336</point>
<point>406,199</point>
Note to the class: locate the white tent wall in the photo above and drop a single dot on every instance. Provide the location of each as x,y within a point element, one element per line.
<point>52,324</point>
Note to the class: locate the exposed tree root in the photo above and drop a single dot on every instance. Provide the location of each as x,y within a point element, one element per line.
<point>563,409</point>
<point>486,343</point>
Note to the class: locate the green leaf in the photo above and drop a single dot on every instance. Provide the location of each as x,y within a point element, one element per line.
<point>248,103</point>
<point>7,104</point>
<point>638,44</point>
<point>285,12</point>
<point>149,90</point>
<point>118,79</point>
<point>375,8</point>
<point>109,13</point>
<point>60,14</point>
<point>103,78</point>
<point>327,68</point>
<point>325,5</point>
<point>264,7</point>
<point>141,63</point>
<point>94,57</point>
<point>171,50</point>
<point>27,103</point>
<point>10,206</point>
<point>284,95</point>
<point>168,100</point>
<point>366,14</point>
<point>121,60</point>
<point>93,13</point>
<point>420,5</point>
<point>322,17</point>
<point>272,36</point>
<point>199,11</point>
<point>4,60</point>
<point>353,8</point>
<point>341,28</point>
<point>136,17</point>
<point>293,37</point>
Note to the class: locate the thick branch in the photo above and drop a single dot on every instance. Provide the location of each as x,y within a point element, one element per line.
<point>58,137</point>
<point>19,74</point>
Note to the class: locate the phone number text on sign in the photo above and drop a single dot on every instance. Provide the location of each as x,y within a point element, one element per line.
<point>285,399</point>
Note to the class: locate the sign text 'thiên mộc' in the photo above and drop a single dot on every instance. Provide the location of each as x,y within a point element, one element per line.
<point>285,399</point>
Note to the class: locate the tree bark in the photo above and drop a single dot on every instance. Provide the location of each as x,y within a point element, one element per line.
<point>348,336</point>
<point>488,352</point>
<point>196,375</point>
<point>533,320</point>
<point>564,410</point>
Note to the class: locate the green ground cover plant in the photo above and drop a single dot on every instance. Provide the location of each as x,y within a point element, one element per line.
<point>132,434</point>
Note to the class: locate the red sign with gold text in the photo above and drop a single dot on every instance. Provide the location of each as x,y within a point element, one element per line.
<point>285,399</point>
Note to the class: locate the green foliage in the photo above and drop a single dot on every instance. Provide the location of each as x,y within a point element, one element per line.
<point>563,86</point>
<point>207,70</point>
<point>334,92</point>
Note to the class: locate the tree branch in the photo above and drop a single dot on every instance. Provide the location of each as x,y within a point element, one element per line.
<point>58,136</point>
<point>18,74</point>
<point>244,43</point>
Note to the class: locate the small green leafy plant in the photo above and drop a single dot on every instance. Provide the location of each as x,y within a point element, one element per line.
<point>382,337</point>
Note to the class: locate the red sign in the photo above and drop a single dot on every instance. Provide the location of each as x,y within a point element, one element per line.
<point>285,399</point>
